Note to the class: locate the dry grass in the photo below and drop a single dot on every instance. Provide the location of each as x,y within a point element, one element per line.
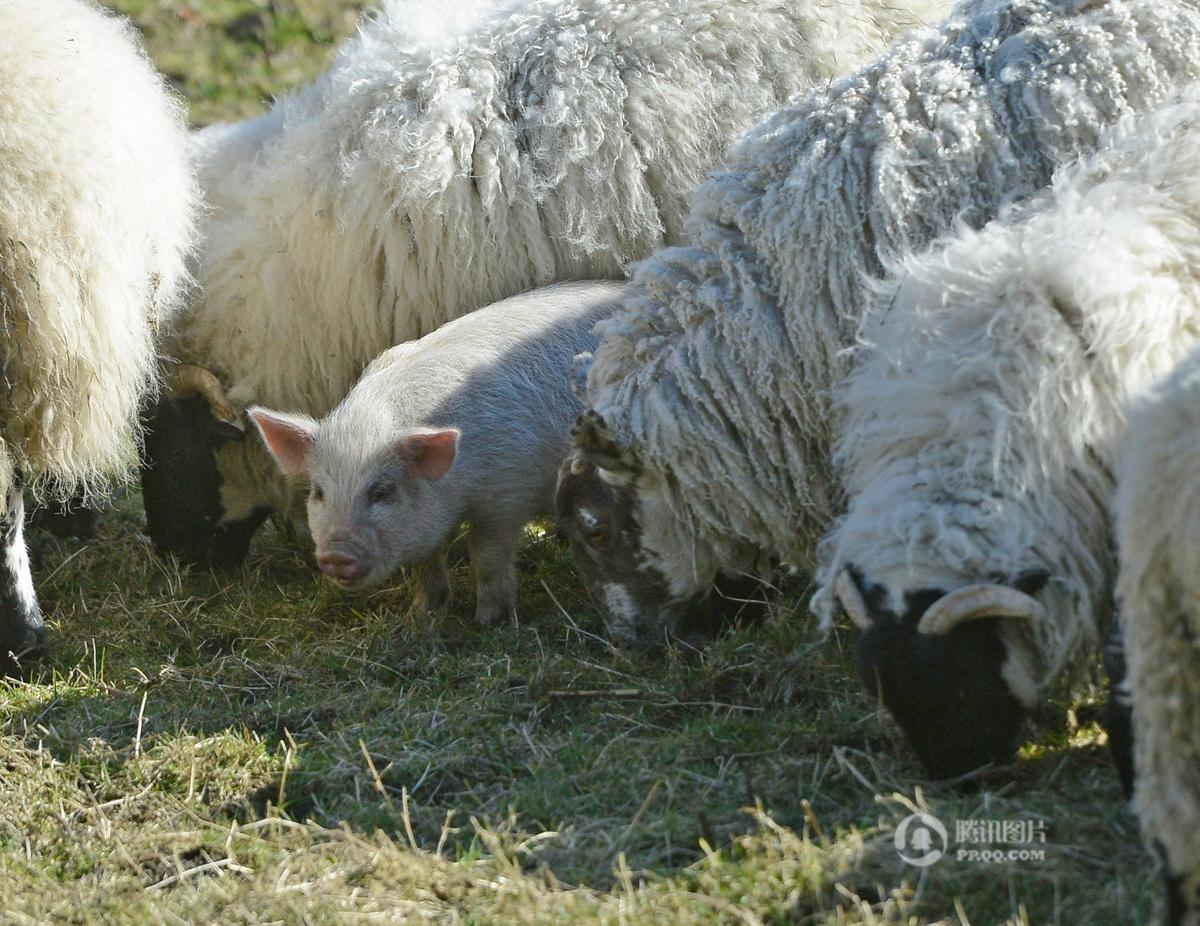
<point>259,747</point>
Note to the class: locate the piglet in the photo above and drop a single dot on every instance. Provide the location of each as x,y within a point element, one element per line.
<point>468,423</point>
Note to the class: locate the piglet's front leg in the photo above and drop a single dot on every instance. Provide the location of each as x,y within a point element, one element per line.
<point>494,562</point>
<point>431,583</point>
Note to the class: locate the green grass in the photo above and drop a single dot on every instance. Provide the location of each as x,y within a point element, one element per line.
<point>229,57</point>
<point>300,741</point>
<point>260,747</point>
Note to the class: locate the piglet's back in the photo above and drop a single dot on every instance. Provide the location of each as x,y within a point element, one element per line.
<point>501,374</point>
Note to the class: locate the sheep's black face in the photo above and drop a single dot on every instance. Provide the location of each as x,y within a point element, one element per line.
<point>650,577</point>
<point>602,517</point>
<point>181,485</point>
<point>599,519</point>
<point>951,691</point>
<point>946,693</point>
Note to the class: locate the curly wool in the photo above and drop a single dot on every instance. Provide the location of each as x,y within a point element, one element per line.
<point>1158,534</point>
<point>451,158</point>
<point>96,208</point>
<point>980,432</point>
<point>718,371</point>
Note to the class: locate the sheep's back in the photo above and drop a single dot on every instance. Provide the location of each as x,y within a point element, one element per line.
<point>440,167</point>
<point>721,367</point>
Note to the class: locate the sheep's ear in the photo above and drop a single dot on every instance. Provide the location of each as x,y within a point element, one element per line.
<point>429,453</point>
<point>591,435</point>
<point>288,437</point>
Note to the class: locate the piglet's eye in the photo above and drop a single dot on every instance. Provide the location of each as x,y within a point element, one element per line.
<point>317,494</point>
<point>381,491</point>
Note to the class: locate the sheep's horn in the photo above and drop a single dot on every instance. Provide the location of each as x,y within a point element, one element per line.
<point>189,378</point>
<point>975,602</point>
<point>578,465</point>
<point>850,598</point>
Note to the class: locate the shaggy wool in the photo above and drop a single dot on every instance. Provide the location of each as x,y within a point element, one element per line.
<point>456,155</point>
<point>96,209</point>
<point>719,370</point>
<point>1158,532</point>
<point>980,430</point>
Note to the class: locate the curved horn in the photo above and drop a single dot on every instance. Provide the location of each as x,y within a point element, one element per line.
<point>975,602</point>
<point>189,378</point>
<point>850,598</point>
<point>578,465</point>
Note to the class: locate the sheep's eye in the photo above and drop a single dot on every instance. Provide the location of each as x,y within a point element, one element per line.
<point>317,494</point>
<point>380,492</point>
<point>596,537</point>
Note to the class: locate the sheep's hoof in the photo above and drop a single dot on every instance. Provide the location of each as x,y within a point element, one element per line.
<point>74,520</point>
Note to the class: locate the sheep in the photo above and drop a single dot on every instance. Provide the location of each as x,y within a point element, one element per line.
<point>704,446</point>
<point>1158,539</point>
<point>96,218</point>
<point>451,157</point>
<point>979,436</point>
<point>467,424</point>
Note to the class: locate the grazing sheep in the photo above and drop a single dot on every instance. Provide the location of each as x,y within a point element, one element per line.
<point>96,202</point>
<point>467,424</point>
<point>706,443</point>
<point>1158,536</point>
<point>452,156</point>
<point>979,434</point>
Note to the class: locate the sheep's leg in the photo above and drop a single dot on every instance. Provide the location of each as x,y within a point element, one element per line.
<point>22,631</point>
<point>73,518</point>
<point>494,563</point>
<point>1119,713</point>
<point>431,583</point>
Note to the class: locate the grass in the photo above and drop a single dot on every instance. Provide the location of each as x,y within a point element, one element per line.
<point>229,57</point>
<point>259,747</point>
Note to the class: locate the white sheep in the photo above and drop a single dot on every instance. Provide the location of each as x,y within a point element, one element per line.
<point>706,444</point>
<point>1158,534</point>
<point>452,156</point>
<point>96,204</point>
<point>980,430</point>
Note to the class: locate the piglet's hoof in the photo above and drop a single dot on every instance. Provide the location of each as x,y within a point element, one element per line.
<point>431,597</point>
<point>497,613</point>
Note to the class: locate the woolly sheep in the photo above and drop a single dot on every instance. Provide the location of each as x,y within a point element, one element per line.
<point>979,435</point>
<point>706,441</point>
<point>467,424</point>
<point>96,201</point>
<point>451,157</point>
<point>1158,535</point>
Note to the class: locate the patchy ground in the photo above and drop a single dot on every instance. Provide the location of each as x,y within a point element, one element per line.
<point>259,747</point>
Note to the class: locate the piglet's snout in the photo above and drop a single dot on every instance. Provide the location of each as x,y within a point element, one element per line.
<point>341,567</point>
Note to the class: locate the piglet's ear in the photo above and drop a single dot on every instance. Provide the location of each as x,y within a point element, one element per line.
<point>429,453</point>
<point>288,437</point>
